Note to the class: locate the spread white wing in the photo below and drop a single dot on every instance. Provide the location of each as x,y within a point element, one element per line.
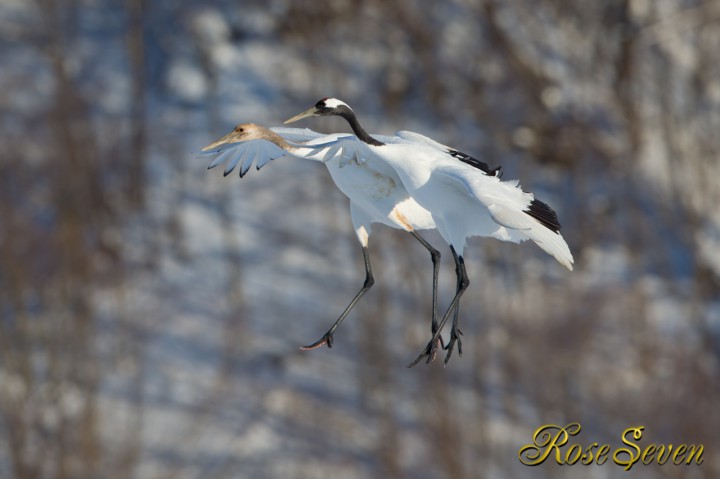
<point>245,154</point>
<point>261,152</point>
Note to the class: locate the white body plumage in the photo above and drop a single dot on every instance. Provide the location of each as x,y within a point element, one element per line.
<point>463,195</point>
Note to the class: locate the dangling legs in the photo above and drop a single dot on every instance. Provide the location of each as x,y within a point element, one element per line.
<point>463,283</point>
<point>435,256</point>
<point>369,281</point>
<point>455,332</point>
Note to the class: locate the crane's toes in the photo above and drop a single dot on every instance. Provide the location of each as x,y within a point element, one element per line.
<point>430,352</point>
<point>451,347</point>
<point>454,339</point>
<point>326,339</point>
<point>419,358</point>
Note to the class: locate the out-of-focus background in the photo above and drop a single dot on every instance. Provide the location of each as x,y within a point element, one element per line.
<point>151,310</point>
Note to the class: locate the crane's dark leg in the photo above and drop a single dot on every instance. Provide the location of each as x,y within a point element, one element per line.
<point>463,282</point>
<point>435,256</point>
<point>369,281</point>
<point>455,332</point>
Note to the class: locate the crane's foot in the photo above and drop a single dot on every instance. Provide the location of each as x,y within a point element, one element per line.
<point>455,334</point>
<point>430,352</point>
<point>326,339</point>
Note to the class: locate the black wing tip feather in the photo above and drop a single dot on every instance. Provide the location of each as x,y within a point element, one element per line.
<point>544,214</point>
<point>481,165</point>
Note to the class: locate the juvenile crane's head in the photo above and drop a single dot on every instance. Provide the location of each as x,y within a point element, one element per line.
<point>325,107</point>
<point>242,132</point>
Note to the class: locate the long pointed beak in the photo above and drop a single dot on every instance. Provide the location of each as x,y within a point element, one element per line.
<point>311,112</point>
<point>229,138</point>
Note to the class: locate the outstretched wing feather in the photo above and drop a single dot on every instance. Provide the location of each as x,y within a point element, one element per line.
<point>234,159</point>
<point>246,153</point>
<point>221,157</point>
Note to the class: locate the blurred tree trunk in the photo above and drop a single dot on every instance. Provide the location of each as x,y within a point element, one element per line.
<point>136,44</point>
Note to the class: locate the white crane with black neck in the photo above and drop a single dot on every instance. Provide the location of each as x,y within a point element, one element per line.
<point>464,197</point>
<point>375,191</point>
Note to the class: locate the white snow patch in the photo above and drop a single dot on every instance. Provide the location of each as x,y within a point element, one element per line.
<point>187,81</point>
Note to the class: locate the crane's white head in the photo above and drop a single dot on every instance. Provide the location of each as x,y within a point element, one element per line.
<point>325,107</point>
<point>242,132</point>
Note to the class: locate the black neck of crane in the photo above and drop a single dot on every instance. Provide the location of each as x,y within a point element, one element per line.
<point>357,128</point>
